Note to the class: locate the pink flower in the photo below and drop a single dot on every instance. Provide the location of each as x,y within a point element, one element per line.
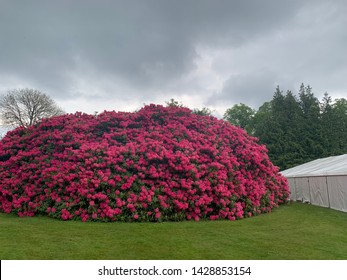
<point>157,215</point>
<point>156,159</point>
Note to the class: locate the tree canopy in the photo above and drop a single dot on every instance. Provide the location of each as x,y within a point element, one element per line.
<point>240,115</point>
<point>296,128</point>
<point>25,107</point>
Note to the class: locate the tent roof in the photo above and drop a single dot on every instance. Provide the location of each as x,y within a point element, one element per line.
<point>336,165</point>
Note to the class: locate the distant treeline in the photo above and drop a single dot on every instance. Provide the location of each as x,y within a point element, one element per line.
<point>296,128</point>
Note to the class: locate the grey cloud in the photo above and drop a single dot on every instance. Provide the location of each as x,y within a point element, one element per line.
<point>309,49</point>
<point>149,46</point>
<point>251,89</point>
<point>135,39</point>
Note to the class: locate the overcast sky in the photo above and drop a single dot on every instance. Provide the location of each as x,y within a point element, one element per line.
<point>117,55</point>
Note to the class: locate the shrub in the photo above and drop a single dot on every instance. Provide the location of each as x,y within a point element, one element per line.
<point>157,164</point>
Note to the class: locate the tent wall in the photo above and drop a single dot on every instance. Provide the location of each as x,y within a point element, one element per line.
<point>319,191</point>
<point>291,182</point>
<point>337,189</point>
<point>303,189</point>
<point>326,191</point>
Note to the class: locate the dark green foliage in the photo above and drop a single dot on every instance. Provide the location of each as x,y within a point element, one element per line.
<point>334,122</point>
<point>173,103</point>
<point>296,129</point>
<point>203,112</point>
<point>240,115</point>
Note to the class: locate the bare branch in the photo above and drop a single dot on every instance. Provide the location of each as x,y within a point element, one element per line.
<point>25,107</point>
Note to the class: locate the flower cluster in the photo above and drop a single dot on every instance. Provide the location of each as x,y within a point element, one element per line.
<point>157,164</point>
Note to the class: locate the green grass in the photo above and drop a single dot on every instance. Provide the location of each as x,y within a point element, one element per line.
<point>296,231</point>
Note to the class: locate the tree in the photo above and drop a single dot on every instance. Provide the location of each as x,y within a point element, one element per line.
<point>269,131</point>
<point>202,112</point>
<point>173,103</point>
<point>25,107</point>
<point>336,126</point>
<point>297,129</point>
<point>276,125</point>
<point>311,130</point>
<point>240,115</point>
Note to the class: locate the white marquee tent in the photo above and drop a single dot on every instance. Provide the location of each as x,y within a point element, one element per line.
<point>322,182</point>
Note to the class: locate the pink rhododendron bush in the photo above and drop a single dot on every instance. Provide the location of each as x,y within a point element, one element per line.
<point>157,164</point>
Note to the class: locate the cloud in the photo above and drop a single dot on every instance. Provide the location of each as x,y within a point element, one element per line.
<point>206,53</point>
<point>308,49</point>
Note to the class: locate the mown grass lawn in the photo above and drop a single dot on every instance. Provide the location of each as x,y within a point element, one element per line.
<point>295,231</point>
